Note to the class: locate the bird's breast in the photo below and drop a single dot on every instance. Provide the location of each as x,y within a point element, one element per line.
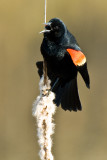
<point>58,60</point>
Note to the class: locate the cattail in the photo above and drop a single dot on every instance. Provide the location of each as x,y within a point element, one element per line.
<point>43,109</point>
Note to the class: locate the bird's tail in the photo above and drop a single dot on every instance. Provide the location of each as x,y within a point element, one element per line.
<point>66,94</point>
<point>70,99</point>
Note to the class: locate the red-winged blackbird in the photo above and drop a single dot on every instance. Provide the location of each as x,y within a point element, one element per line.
<point>64,59</point>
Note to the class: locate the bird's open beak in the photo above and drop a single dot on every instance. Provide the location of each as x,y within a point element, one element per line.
<point>47,28</point>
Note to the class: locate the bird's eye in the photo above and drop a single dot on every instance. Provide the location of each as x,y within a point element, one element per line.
<point>56,28</point>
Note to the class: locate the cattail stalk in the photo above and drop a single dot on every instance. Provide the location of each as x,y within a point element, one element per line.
<point>43,110</point>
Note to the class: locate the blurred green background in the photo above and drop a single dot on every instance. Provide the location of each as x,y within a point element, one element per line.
<point>78,136</point>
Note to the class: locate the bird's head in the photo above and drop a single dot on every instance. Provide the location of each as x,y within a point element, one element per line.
<point>54,29</point>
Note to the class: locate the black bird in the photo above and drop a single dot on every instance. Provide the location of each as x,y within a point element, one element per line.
<point>64,60</point>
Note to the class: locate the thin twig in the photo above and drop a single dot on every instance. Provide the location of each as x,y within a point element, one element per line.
<point>45,9</point>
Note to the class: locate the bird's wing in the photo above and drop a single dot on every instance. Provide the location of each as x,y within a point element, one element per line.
<point>79,61</point>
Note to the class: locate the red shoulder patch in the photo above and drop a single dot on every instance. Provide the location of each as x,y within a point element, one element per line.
<point>77,57</point>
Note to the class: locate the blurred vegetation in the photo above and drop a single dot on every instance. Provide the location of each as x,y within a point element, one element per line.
<point>79,136</point>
